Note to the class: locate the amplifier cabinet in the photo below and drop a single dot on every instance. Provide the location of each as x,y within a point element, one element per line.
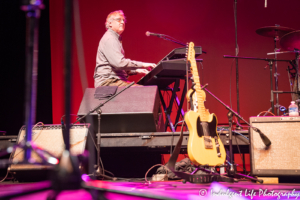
<point>49,138</point>
<point>282,157</point>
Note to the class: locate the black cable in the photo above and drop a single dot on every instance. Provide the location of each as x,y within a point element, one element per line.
<point>241,135</point>
<point>178,123</point>
<point>238,148</point>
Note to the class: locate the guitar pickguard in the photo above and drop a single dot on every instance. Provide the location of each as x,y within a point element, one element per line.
<point>210,128</point>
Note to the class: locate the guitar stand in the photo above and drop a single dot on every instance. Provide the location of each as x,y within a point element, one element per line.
<point>231,168</point>
<point>208,177</point>
<point>202,168</point>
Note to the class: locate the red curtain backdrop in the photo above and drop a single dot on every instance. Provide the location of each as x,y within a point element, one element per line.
<point>207,23</point>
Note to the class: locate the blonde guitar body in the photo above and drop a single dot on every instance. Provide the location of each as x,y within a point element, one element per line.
<point>198,153</point>
<point>204,145</point>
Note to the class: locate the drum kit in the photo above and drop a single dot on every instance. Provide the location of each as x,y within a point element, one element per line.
<point>289,40</point>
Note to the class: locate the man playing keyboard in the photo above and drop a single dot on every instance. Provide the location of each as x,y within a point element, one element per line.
<point>112,68</point>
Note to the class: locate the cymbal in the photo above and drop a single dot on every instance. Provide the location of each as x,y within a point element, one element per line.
<point>273,31</point>
<point>290,41</point>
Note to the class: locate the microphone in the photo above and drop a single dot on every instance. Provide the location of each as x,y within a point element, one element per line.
<point>264,138</point>
<point>153,34</point>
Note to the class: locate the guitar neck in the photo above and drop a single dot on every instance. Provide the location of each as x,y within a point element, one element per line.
<point>203,112</point>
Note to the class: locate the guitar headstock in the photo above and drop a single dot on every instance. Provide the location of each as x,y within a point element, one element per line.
<point>190,52</point>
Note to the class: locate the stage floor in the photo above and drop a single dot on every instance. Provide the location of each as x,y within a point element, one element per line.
<point>157,190</point>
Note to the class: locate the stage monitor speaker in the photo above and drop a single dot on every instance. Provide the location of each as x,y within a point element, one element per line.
<point>137,109</point>
<point>281,158</point>
<point>49,137</point>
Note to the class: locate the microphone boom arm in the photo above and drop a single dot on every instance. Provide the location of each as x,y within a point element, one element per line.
<point>166,37</point>
<point>264,138</point>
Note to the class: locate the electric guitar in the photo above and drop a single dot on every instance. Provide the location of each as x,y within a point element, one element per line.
<point>204,145</point>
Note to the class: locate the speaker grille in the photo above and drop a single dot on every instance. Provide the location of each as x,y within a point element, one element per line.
<point>282,157</point>
<point>50,138</point>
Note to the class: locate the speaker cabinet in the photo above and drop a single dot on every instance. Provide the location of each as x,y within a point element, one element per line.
<point>49,138</point>
<point>281,158</point>
<point>137,109</point>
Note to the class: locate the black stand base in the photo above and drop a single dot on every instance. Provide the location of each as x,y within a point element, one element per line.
<point>66,175</point>
<point>231,170</point>
<point>98,174</point>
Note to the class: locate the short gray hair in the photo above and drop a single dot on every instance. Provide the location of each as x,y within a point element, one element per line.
<point>111,15</point>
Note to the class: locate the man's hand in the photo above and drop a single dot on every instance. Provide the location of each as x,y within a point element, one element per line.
<point>142,71</point>
<point>147,65</point>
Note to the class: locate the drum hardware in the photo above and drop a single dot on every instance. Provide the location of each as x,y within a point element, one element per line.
<point>275,32</point>
<point>291,42</point>
<point>270,64</point>
<point>295,66</point>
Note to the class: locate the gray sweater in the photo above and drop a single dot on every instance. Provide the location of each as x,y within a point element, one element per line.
<point>111,61</point>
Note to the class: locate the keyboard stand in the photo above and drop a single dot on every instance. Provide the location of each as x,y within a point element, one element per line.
<point>168,110</point>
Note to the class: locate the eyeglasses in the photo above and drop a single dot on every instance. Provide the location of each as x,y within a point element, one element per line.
<point>120,20</point>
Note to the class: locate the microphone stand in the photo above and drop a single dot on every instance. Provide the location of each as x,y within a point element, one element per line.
<point>231,170</point>
<point>236,61</point>
<point>32,29</point>
<point>33,12</point>
<point>99,112</point>
<point>66,175</point>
